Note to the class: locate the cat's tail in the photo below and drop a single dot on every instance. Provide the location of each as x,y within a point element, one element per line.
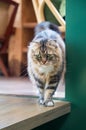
<point>46,25</point>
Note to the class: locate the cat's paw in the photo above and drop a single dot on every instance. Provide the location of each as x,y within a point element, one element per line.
<point>41,101</point>
<point>49,103</point>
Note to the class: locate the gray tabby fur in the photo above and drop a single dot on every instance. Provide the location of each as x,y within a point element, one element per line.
<point>47,77</point>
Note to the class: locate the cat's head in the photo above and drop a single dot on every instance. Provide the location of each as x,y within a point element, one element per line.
<point>45,52</point>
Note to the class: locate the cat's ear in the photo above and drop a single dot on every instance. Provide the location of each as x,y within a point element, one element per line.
<point>50,40</point>
<point>32,43</point>
<point>35,41</point>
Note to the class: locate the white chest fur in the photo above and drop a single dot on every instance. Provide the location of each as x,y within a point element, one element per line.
<point>46,69</point>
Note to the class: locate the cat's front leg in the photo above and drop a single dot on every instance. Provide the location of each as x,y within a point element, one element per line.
<point>41,96</point>
<point>50,88</point>
<point>49,92</point>
<point>40,86</point>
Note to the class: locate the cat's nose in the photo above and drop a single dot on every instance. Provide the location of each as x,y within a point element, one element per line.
<point>43,61</point>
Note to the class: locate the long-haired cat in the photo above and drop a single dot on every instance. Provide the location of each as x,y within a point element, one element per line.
<point>46,61</point>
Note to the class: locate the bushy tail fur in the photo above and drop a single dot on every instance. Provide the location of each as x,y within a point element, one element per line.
<point>46,25</point>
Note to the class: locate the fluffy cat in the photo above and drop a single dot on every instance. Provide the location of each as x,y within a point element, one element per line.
<point>46,61</point>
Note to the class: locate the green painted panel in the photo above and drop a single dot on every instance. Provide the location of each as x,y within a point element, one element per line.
<point>76,64</point>
<point>76,51</point>
<point>76,69</point>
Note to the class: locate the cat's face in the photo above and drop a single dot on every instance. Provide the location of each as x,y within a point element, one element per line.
<point>45,53</point>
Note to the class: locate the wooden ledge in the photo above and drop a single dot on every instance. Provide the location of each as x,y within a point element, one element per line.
<point>29,25</point>
<point>24,113</point>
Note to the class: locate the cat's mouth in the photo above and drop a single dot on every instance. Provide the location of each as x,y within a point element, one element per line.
<point>46,69</point>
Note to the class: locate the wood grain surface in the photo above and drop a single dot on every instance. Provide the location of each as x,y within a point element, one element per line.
<point>24,113</point>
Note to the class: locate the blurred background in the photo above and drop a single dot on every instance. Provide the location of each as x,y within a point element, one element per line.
<point>17,21</point>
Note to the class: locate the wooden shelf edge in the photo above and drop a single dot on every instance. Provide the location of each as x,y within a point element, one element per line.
<point>29,25</point>
<point>28,114</point>
<point>33,24</point>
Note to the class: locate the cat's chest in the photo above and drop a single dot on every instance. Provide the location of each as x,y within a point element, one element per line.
<point>46,69</point>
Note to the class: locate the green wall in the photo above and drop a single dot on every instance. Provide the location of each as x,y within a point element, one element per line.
<point>76,69</point>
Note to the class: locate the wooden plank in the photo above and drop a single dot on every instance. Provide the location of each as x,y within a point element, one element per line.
<point>24,113</point>
<point>3,68</point>
<point>28,14</point>
<point>36,6</point>
<point>29,25</point>
<point>15,53</point>
<point>15,45</point>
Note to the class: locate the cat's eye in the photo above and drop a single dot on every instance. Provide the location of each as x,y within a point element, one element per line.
<point>38,57</point>
<point>50,56</point>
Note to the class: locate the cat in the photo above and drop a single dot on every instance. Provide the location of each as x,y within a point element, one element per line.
<point>46,61</point>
